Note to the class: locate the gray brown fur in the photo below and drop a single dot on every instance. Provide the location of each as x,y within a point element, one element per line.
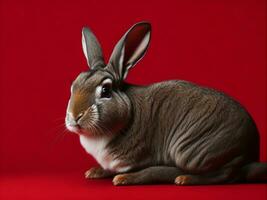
<point>173,131</point>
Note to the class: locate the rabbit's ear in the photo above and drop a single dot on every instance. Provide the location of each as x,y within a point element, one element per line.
<point>131,48</point>
<point>92,49</point>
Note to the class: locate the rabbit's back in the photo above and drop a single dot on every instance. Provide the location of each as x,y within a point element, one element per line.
<point>195,128</point>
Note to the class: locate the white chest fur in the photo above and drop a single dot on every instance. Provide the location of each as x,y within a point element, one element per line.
<point>96,146</point>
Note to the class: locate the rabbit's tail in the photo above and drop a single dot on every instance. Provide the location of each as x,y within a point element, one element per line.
<point>255,172</point>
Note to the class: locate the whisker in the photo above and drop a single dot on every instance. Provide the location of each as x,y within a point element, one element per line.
<point>59,136</point>
<point>58,131</point>
<point>57,128</point>
<point>59,119</point>
<point>103,128</point>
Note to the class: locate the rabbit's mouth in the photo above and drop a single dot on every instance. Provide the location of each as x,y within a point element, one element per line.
<point>86,123</point>
<point>72,125</point>
<point>78,129</point>
<point>78,123</point>
<point>74,128</point>
<point>85,128</point>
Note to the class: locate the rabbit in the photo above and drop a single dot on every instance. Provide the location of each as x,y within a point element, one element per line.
<point>168,132</point>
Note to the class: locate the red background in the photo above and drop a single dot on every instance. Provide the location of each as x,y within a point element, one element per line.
<point>220,44</point>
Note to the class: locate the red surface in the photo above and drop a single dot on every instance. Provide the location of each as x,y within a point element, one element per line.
<point>72,186</point>
<point>220,44</point>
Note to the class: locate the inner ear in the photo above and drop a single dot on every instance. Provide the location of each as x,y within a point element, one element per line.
<point>135,44</point>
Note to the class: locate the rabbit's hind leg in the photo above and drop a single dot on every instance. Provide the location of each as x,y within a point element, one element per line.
<point>150,175</point>
<point>255,172</point>
<point>227,175</point>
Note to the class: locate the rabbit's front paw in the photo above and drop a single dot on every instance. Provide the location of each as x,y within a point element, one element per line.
<point>96,172</point>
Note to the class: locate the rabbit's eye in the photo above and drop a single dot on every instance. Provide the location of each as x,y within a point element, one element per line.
<point>106,91</point>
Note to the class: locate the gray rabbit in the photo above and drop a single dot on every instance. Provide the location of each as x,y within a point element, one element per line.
<point>167,132</point>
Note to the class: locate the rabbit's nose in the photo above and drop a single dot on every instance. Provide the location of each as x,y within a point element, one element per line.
<point>74,118</point>
<point>79,116</point>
